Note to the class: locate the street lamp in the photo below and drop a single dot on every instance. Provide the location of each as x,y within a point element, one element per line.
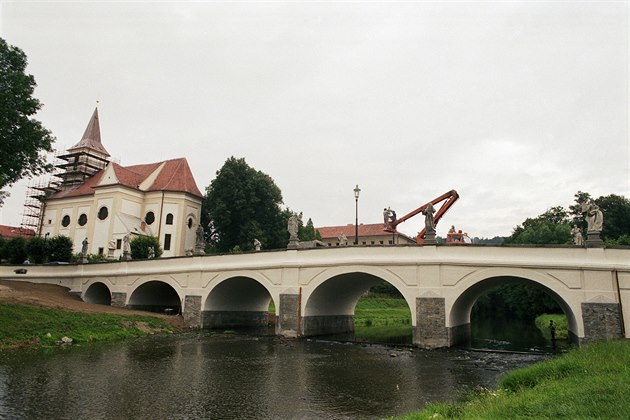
<point>357,190</point>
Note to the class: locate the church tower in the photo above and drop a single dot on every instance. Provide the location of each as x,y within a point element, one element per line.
<point>85,158</point>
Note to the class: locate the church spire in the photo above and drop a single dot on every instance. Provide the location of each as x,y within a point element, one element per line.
<point>92,137</point>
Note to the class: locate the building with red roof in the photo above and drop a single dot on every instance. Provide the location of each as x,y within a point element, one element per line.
<point>101,201</point>
<point>370,234</point>
<point>8,232</point>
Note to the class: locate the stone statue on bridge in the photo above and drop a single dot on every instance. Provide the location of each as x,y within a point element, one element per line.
<point>429,222</point>
<point>126,248</point>
<point>200,241</point>
<point>343,239</point>
<point>257,245</point>
<point>595,221</point>
<point>576,233</point>
<point>293,226</point>
<point>84,252</point>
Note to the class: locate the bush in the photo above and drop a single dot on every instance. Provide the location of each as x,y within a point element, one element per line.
<point>37,250</point>
<point>15,250</point>
<point>60,249</point>
<point>140,247</point>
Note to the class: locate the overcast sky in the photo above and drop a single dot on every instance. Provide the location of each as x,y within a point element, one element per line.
<point>516,105</point>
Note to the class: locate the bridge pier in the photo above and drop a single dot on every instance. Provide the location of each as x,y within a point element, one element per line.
<point>192,311</point>
<point>119,299</point>
<point>288,322</point>
<point>430,330</point>
<point>602,321</point>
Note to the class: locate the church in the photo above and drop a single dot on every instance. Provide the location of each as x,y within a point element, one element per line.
<point>99,200</point>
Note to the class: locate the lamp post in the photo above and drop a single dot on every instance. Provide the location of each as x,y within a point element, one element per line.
<point>357,190</point>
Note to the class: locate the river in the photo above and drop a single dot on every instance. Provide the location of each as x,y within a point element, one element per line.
<point>211,375</point>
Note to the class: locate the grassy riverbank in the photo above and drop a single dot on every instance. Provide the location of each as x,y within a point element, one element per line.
<point>377,318</point>
<point>562,331</point>
<point>29,326</point>
<point>589,382</point>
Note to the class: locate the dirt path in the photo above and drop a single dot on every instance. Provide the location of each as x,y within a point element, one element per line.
<point>53,296</point>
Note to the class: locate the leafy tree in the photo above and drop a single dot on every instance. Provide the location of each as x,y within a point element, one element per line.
<point>23,140</point>
<point>60,248</point>
<point>616,210</point>
<point>15,250</point>
<point>308,232</point>
<point>515,301</point>
<point>551,227</point>
<point>243,204</point>
<point>37,249</point>
<point>140,247</point>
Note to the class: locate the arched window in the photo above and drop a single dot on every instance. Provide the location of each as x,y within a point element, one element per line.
<point>190,222</point>
<point>169,219</point>
<point>149,218</point>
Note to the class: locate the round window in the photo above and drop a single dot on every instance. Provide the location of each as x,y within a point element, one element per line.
<point>103,213</point>
<point>65,222</point>
<point>149,218</point>
<point>82,219</point>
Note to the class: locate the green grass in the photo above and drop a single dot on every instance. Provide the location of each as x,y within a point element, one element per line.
<point>585,383</point>
<point>27,326</point>
<point>378,318</point>
<point>562,332</point>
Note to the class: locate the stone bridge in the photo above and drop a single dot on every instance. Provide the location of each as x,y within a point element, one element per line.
<point>315,290</point>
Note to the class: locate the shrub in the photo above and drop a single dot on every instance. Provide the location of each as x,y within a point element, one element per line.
<point>15,250</point>
<point>37,249</point>
<point>140,247</point>
<point>60,249</point>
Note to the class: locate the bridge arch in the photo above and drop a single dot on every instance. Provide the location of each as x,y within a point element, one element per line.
<point>98,293</point>
<point>331,298</point>
<point>473,286</point>
<point>238,300</point>
<point>155,295</point>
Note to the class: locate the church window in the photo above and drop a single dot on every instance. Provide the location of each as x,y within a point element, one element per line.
<point>65,222</point>
<point>169,219</point>
<point>190,222</point>
<point>167,242</point>
<point>103,213</point>
<point>82,219</point>
<point>149,218</point>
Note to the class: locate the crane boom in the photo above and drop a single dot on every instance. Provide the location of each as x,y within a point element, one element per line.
<point>449,199</point>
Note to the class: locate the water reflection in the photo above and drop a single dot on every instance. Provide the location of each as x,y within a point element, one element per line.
<point>511,335</point>
<point>233,376</point>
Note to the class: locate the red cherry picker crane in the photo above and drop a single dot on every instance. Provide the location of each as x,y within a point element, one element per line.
<point>448,200</point>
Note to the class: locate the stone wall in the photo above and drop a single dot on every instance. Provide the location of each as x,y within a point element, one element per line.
<point>430,330</point>
<point>288,320</point>
<point>235,319</point>
<point>601,321</point>
<point>327,324</point>
<point>192,311</point>
<point>119,299</point>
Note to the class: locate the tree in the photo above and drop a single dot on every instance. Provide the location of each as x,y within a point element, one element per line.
<point>23,140</point>
<point>616,210</point>
<point>140,247</point>
<point>551,227</point>
<point>60,248</point>
<point>15,250</point>
<point>308,232</point>
<point>37,249</point>
<point>242,204</point>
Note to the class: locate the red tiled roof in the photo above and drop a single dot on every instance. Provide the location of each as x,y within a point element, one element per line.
<point>375,229</point>
<point>175,176</point>
<point>14,232</point>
